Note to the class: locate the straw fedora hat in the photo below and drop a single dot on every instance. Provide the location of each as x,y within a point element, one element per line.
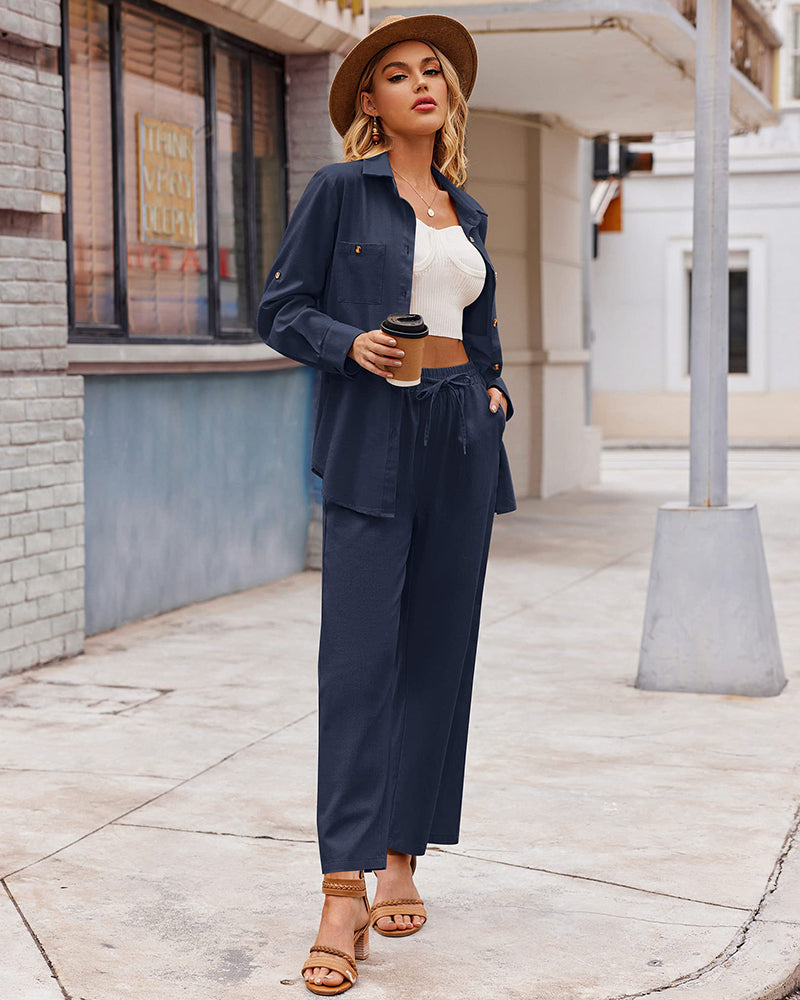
<point>447,34</point>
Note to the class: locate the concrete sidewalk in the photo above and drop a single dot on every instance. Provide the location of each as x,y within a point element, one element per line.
<point>157,793</point>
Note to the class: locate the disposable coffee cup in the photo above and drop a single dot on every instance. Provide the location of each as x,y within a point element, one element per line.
<point>410,331</point>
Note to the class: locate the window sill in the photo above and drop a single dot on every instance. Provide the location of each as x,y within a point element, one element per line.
<point>131,359</point>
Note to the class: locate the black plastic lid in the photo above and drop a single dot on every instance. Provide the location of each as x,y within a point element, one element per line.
<point>405,325</point>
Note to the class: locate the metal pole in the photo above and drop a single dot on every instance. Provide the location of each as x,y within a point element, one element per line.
<point>709,624</point>
<point>708,469</point>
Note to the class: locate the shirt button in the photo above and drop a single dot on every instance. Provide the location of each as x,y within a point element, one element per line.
<point>496,367</point>
<point>358,249</point>
<point>472,239</point>
<point>494,322</point>
<point>277,274</point>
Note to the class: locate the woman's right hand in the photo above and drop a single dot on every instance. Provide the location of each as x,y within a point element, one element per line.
<point>375,348</point>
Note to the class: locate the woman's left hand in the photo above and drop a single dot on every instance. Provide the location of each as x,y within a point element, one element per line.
<point>497,398</point>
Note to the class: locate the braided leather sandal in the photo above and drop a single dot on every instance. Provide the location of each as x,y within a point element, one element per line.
<point>413,907</point>
<point>322,956</point>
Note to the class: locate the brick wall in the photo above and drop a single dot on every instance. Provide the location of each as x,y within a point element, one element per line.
<point>312,142</point>
<point>41,407</point>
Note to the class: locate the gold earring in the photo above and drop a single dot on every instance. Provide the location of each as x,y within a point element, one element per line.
<point>376,136</point>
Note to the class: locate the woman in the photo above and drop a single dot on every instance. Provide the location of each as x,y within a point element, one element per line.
<point>411,477</point>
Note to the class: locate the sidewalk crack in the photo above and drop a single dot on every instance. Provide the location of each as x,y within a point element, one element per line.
<point>740,938</point>
<point>593,878</point>
<point>36,940</point>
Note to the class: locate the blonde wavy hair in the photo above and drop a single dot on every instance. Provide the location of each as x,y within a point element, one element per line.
<point>448,147</point>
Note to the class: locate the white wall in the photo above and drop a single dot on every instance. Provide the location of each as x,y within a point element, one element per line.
<point>639,300</point>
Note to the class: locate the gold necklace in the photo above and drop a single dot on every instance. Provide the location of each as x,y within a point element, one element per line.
<point>428,203</point>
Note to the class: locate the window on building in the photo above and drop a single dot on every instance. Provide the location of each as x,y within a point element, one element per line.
<point>176,167</point>
<point>793,54</point>
<point>737,322</point>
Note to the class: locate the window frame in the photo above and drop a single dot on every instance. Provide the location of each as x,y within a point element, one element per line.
<point>212,38</point>
<point>792,54</point>
<point>744,253</point>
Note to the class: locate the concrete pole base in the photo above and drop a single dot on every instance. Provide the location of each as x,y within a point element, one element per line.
<point>709,625</point>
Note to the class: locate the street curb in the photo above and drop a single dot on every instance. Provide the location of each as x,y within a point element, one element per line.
<point>762,961</point>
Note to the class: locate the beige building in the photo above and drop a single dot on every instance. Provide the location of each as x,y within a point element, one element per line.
<point>552,75</point>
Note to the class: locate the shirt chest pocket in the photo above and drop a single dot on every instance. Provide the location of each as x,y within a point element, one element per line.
<point>358,272</point>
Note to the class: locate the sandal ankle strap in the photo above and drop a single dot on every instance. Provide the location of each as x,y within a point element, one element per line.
<point>344,886</point>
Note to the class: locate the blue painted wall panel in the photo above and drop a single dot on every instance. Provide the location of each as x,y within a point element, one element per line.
<point>196,485</point>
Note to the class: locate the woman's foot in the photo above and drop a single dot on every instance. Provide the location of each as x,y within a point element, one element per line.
<point>396,882</point>
<point>341,917</point>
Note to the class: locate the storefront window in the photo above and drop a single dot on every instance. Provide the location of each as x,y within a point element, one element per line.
<point>164,102</point>
<point>90,142</point>
<point>268,155</point>
<point>233,278</point>
<point>192,132</point>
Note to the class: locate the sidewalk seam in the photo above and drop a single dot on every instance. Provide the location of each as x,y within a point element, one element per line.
<point>740,937</point>
<point>36,940</point>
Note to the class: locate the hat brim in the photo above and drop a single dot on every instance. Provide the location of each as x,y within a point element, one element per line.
<point>447,34</point>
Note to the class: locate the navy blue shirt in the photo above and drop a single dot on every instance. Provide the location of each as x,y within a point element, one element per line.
<point>345,262</point>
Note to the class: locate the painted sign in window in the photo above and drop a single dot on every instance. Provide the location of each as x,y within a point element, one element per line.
<point>166,182</point>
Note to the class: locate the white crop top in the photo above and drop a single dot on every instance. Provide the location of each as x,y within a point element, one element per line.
<point>448,273</point>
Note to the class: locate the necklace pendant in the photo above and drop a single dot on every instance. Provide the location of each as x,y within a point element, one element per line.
<point>430,211</point>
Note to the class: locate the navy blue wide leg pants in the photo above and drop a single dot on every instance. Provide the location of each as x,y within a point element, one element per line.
<point>401,602</point>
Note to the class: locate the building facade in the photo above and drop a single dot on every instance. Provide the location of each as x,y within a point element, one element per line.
<point>642,281</point>
<point>154,450</point>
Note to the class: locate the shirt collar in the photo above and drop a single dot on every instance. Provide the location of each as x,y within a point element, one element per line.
<point>468,212</point>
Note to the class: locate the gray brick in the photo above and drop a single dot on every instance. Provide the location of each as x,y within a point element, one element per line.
<point>25,569</point>
<point>10,638</point>
<point>73,599</point>
<point>18,70</point>
<point>41,498</point>
<point>73,642</point>
<point>73,515</point>
<point>22,388</point>
<point>66,451</point>
<point>38,454</point>
<point>12,593</point>
<point>11,548</point>
<point>42,585</point>
<point>63,538</point>
<point>64,623</point>
<point>49,519</point>
<point>25,523</point>
<point>13,291</point>
<point>12,132</point>
<point>73,429</point>
<point>11,410</point>
<point>73,557</point>
<point>24,433</point>
<point>53,562</point>
<point>5,526</point>
<point>39,409</point>
<point>51,649</point>
<point>50,430</point>
<point>24,657</point>
<point>12,503</point>
<point>37,631</point>
<point>73,385</point>
<point>69,493</point>
<point>37,543</point>
<point>23,613</point>
<point>51,605</point>
<point>69,406</point>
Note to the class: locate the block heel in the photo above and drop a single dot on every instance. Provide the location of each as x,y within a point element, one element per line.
<point>323,956</point>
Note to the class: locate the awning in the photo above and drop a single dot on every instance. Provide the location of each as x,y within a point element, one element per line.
<point>600,66</point>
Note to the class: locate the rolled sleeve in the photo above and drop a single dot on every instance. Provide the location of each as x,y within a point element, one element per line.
<point>289,318</point>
